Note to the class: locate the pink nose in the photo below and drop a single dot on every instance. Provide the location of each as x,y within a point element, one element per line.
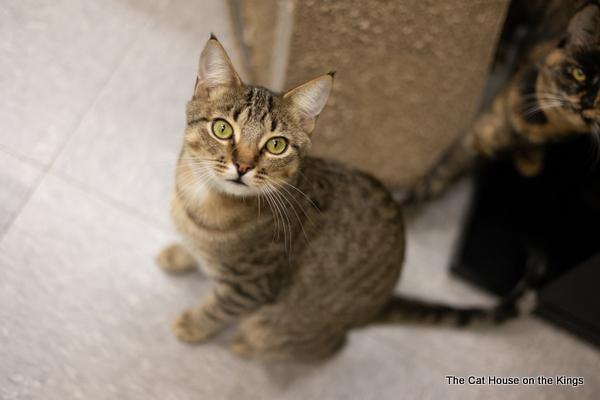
<point>242,167</point>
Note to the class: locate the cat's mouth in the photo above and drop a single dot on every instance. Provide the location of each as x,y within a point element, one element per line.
<point>237,181</point>
<point>591,114</point>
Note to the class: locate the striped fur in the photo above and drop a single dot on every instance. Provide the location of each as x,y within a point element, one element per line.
<point>300,249</point>
<point>406,310</point>
<point>542,103</point>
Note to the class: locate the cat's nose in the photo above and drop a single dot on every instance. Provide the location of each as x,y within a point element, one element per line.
<point>591,113</point>
<point>242,167</point>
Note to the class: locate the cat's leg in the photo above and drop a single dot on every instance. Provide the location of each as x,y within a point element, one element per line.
<point>457,160</point>
<point>529,162</point>
<point>490,132</point>
<point>267,338</point>
<point>176,259</point>
<point>224,304</point>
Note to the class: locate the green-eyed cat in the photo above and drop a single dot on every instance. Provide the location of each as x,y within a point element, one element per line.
<point>552,96</point>
<point>300,249</point>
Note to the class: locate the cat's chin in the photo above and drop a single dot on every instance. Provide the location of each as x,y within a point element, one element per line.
<point>235,189</point>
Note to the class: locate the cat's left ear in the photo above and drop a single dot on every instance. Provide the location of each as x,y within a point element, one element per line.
<point>307,100</point>
<point>584,28</point>
<point>215,70</point>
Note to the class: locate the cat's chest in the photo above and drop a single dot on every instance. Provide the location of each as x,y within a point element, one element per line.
<point>211,212</point>
<point>218,235</point>
<point>207,243</point>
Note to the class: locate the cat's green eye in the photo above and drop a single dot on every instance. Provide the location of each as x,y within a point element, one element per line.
<point>222,129</point>
<point>578,74</point>
<point>276,145</point>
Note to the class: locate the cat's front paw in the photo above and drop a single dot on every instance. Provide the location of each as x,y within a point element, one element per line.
<point>529,163</point>
<point>240,347</point>
<point>188,329</point>
<point>175,259</point>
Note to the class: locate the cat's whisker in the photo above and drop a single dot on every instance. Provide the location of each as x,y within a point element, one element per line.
<point>547,104</point>
<point>291,195</point>
<point>193,177</point>
<point>542,94</point>
<point>542,99</point>
<point>302,193</point>
<point>274,212</point>
<point>280,217</point>
<point>535,109</point>
<point>285,217</point>
<point>275,216</point>
<point>279,185</point>
<point>285,220</point>
<point>282,193</point>
<point>176,161</point>
<point>258,201</point>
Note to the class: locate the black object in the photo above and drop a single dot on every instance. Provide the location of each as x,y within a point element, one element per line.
<point>573,302</point>
<point>551,222</point>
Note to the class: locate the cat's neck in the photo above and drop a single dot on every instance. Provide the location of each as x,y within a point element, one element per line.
<point>210,208</point>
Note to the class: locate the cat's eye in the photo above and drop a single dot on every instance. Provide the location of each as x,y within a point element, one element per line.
<point>276,145</point>
<point>578,74</point>
<point>222,129</point>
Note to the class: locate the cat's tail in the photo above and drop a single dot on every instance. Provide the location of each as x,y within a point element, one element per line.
<point>522,300</point>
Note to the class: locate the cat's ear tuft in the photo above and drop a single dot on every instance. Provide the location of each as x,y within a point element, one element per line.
<point>307,100</point>
<point>583,31</point>
<point>215,70</point>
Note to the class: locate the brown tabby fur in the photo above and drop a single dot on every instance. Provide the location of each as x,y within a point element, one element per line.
<point>542,103</point>
<point>300,249</point>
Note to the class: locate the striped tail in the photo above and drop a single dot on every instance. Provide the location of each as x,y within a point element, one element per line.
<point>404,310</point>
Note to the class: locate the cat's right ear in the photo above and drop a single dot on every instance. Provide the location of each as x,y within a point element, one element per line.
<point>215,70</point>
<point>583,31</point>
<point>307,100</point>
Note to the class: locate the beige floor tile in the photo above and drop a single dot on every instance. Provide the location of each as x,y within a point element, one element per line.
<point>55,57</point>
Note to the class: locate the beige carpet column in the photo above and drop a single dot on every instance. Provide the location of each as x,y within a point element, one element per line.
<point>409,73</point>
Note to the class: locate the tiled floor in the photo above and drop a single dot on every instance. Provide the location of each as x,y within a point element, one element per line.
<point>91,118</point>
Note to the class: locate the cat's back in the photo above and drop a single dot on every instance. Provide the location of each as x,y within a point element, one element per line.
<point>357,218</point>
<point>341,186</point>
<point>355,251</point>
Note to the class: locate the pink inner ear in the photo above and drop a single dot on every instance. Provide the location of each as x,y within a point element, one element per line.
<point>308,124</point>
<point>200,91</point>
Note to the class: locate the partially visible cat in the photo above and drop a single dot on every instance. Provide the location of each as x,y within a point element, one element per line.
<point>553,95</point>
<point>300,249</point>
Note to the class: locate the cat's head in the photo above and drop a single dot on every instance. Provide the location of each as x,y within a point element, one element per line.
<point>245,140</point>
<point>573,70</point>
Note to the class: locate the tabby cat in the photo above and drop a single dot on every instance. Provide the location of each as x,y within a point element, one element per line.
<point>552,96</point>
<point>300,249</point>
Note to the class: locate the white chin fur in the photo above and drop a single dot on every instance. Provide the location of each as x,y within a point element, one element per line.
<point>221,184</point>
<point>234,189</point>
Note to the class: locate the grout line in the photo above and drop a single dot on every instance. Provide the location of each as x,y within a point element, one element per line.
<point>25,201</point>
<point>27,160</point>
<point>134,212</point>
<point>46,167</point>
